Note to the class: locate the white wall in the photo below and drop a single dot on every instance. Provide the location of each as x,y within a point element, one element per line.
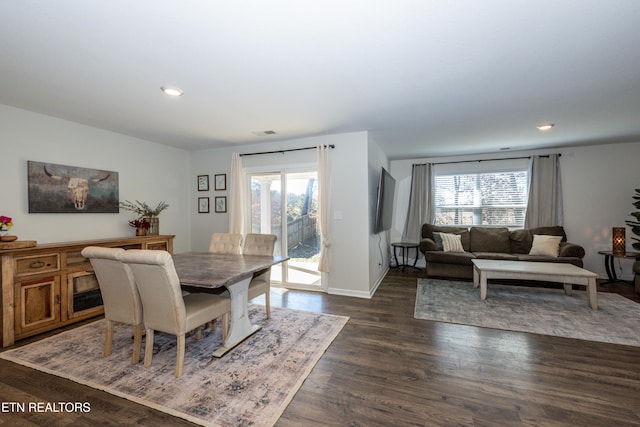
<point>147,171</point>
<point>598,183</point>
<point>349,252</point>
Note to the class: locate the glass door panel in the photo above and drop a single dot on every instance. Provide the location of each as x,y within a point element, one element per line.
<point>295,225</point>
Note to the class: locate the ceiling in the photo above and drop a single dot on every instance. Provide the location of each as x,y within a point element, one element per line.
<point>424,77</point>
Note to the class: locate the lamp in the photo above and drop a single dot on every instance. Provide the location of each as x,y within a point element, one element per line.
<point>618,240</point>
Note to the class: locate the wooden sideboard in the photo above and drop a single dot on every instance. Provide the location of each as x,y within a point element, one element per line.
<point>48,286</point>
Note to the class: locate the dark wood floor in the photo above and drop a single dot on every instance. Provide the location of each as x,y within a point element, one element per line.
<point>388,369</point>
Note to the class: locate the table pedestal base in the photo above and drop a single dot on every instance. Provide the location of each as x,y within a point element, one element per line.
<point>240,328</point>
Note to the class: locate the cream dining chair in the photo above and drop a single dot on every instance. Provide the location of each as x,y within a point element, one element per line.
<point>119,295</point>
<point>226,243</point>
<point>165,309</point>
<point>260,244</point>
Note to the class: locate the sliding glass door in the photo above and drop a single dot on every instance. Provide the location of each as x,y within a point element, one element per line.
<point>285,203</point>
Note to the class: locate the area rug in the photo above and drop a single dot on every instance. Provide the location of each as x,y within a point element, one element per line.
<point>538,310</point>
<point>250,385</point>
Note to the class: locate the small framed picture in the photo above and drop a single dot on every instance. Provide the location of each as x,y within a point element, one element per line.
<point>203,205</point>
<point>221,204</point>
<point>203,182</point>
<point>220,182</point>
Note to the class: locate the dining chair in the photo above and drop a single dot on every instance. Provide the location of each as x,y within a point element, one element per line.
<point>226,243</point>
<point>165,309</point>
<point>260,244</point>
<point>119,295</point>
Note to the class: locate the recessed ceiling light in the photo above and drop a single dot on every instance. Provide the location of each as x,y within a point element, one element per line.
<point>264,132</point>
<point>171,91</point>
<point>546,126</point>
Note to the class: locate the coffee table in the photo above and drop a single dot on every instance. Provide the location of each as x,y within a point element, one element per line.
<point>567,274</point>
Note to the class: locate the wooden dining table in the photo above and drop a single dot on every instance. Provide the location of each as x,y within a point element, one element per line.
<point>209,272</point>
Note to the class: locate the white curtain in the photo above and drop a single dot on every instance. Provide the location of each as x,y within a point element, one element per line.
<point>544,208</point>
<point>420,202</point>
<point>323,206</point>
<point>237,196</point>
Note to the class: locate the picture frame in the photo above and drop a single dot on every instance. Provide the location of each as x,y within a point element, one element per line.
<point>221,204</point>
<point>54,188</point>
<point>203,182</point>
<point>220,182</point>
<point>203,205</point>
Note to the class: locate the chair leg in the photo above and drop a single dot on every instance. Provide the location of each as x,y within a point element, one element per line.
<point>108,338</point>
<point>180,355</point>
<point>225,326</point>
<point>137,343</point>
<point>198,333</point>
<point>148,348</point>
<point>267,303</point>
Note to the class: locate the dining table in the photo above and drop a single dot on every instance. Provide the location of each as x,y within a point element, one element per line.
<point>211,272</point>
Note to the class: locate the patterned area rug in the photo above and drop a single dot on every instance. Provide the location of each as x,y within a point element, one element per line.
<point>546,311</point>
<point>251,385</point>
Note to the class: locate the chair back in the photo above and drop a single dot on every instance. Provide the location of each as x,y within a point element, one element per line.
<point>226,243</point>
<point>159,287</point>
<point>259,244</point>
<point>119,292</point>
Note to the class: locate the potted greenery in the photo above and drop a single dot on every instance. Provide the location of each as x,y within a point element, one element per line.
<point>141,225</point>
<point>635,225</point>
<point>146,212</point>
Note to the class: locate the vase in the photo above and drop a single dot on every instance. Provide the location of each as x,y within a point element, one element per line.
<point>141,232</point>
<point>154,227</point>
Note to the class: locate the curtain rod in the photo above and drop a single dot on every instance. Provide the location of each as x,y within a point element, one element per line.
<point>284,151</point>
<point>483,160</point>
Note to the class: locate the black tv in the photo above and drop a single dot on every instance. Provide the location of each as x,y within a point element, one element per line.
<point>384,208</point>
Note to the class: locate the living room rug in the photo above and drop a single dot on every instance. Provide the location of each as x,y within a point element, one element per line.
<point>533,309</point>
<point>250,385</point>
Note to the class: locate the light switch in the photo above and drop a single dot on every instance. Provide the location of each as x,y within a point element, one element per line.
<point>337,215</point>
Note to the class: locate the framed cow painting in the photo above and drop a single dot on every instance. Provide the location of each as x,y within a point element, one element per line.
<point>70,189</point>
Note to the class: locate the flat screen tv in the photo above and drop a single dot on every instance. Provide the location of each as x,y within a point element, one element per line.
<point>384,207</point>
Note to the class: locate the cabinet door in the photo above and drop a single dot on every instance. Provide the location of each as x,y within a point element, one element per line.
<point>37,305</point>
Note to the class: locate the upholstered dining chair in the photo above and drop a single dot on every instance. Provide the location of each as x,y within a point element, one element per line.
<point>164,307</point>
<point>119,295</point>
<point>226,243</point>
<point>260,244</point>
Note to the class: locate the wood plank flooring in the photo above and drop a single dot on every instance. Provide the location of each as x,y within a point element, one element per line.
<point>388,369</point>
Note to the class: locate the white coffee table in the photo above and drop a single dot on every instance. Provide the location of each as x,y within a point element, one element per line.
<point>567,274</point>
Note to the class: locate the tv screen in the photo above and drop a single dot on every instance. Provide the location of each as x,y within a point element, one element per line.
<point>384,208</point>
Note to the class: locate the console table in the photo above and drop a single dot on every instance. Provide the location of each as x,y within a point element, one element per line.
<point>48,286</point>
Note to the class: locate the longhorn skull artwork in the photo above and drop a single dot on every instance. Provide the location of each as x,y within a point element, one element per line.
<point>87,190</point>
<point>78,188</point>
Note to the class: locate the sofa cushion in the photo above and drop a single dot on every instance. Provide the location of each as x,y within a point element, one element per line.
<point>496,255</point>
<point>429,229</point>
<point>457,258</point>
<point>489,239</point>
<point>520,241</point>
<point>545,245</point>
<point>557,230</point>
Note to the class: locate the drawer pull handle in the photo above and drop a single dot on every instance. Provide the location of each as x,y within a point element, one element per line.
<point>37,264</point>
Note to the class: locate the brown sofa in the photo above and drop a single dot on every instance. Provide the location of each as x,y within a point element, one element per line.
<point>490,243</point>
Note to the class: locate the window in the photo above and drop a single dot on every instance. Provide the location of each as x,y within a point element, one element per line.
<point>492,194</point>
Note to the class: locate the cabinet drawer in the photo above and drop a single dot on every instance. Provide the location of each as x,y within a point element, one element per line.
<point>36,264</point>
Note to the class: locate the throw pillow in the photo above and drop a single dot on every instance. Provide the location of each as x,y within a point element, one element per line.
<point>451,242</point>
<point>545,245</point>
<point>438,240</point>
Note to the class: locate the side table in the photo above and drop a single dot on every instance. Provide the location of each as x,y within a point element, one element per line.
<point>608,264</point>
<point>405,246</point>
